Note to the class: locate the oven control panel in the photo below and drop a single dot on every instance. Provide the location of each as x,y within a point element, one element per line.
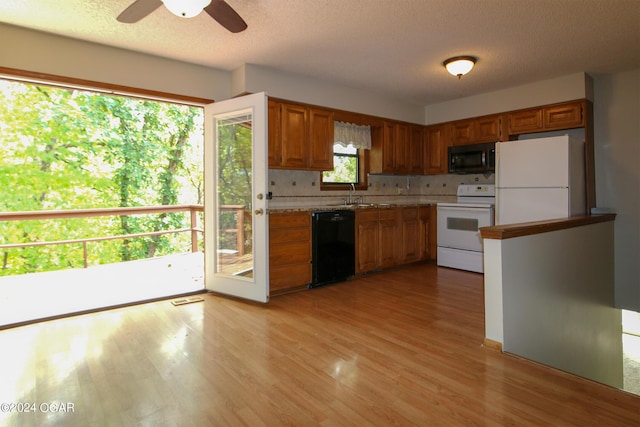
<point>476,190</point>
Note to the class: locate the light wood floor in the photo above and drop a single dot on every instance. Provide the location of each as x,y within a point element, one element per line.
<point>398,348</point>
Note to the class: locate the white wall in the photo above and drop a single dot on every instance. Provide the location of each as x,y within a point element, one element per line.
<point>551,302</point>
<point>295,87</point>
<point>617,155</point>
<point>46,53</point>
<point>566,88</point>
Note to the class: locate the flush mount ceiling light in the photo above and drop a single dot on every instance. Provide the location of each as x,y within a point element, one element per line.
<point>186,8</point>
<point>459,65</point>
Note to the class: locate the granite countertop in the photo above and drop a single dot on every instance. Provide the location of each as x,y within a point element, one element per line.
<point>316,205</point>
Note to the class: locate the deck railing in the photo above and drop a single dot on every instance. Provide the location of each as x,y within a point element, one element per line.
<point>143,210</point>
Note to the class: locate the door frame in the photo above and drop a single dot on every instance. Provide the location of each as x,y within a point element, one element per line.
<point>254,288</point>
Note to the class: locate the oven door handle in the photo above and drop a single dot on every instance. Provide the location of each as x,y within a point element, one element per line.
<point>463,208</point>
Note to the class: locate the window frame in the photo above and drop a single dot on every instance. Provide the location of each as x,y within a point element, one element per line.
<point>337,154</point>
<point>363,161</point>
<point>46,79</point>
<point>363,171</point>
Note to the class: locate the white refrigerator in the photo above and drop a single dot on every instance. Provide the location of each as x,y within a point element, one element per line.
<point>539,179</point>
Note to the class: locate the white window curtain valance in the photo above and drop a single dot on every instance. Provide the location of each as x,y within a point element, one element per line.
<point>348,133</point>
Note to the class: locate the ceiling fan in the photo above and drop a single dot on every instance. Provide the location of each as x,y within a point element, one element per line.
<point>217,9</point>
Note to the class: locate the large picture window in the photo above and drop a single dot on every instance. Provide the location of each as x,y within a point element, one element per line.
<point>64,148</point>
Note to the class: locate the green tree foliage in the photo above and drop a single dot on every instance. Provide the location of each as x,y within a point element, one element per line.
<point>70,149</point>
<point>234,179</point>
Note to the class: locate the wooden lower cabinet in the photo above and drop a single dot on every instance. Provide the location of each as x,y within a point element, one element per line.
<point>367,240</point>
<point>289,250</point>
<point>376,239</point>
<point>388,237</point>
<point>410,235</point>
<point>385,237</point>
<point>428,231</point>
<point>393,236</point>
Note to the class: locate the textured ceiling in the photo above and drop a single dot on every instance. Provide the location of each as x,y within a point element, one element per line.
<point>392,47</point>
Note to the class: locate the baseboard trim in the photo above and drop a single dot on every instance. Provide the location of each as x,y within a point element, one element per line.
<point>493,345</point>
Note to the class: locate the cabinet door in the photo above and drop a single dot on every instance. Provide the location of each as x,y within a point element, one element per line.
<point>401,148</point>
<point>462,133</point>
<point>433,232</point>
<point>435,159</point>
<point>321,139</point>
<point>367,241</point>
<point>410,235</point>
<point>525,121</point>
<point>275,143</point>
<point>294,135</point>
<point>389,237</point>
<point>425,237</point>
<point>389,147</point>
<point>564,116</point>
<point>289,251</point>
<point>487,129</point>
<point>416,151</point>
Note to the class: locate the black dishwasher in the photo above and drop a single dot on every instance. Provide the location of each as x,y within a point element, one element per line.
<point>333,248</point>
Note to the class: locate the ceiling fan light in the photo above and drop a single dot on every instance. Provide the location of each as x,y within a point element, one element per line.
<point>186,8</point>
<point>459,65</point>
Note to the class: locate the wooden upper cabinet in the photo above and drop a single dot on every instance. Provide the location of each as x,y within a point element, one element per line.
<point>402,148</point>
<point>416,150</point>
<point>488,129</point>
<point>566,115</point>
<point>293,133</point>
<point>435,149</point>
<point>525,121</point>
<point>300,137</point>
<point>320,139</point>
<point>462,132</point>
<point>275,142</point>
<point>477,130</point>
<point>388,147</point>
<point>391,148</point>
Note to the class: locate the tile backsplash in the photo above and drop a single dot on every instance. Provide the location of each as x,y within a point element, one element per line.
<point>292,185</point>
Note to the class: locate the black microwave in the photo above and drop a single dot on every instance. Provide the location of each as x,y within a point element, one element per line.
<point>473,158</point>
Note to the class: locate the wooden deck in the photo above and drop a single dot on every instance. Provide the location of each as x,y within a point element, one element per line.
<point>43,295</point>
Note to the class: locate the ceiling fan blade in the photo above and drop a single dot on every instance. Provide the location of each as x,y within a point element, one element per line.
<point>226,16</point>
<point>138,10</point>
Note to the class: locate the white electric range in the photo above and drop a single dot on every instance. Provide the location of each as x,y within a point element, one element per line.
<point>459,241</point>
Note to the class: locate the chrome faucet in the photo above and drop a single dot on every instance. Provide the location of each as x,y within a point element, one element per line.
<point>352,189</point>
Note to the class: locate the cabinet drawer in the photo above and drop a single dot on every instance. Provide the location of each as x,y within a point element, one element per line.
<point>367,215</point>
<point>388,214</point>
<point>290,253</point>
<point>289,221</point>
<point>409,213</point>
<point>288,276</point>
<point>284,235</point>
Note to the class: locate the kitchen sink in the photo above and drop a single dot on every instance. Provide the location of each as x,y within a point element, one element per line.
<point>354,205</point>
